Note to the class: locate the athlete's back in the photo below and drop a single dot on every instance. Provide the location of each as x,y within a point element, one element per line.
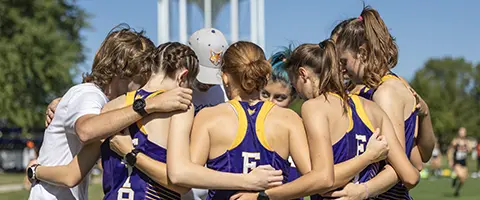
<point>393,83</point>
<point>150,136</point>
<point>244,136</point>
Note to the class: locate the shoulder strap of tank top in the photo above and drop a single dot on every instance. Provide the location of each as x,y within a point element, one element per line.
<point>139,123</point>
<point>130,97</point>
<point>361,112</point>
<point>260,123</point>
<point>242,123</point>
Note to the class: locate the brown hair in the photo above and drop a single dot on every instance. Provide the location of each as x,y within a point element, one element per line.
<point>368,31</point>
<point>246,62</point>
<point>123,53</point>
<point>172,56</point>
<point>323,60</point>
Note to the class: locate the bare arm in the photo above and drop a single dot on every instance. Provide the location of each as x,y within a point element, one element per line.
<point>200,143</point>
<point>397,157</point>
<point>416,158</point>
<point>93,127</point>
<point>182,171</point>
<point>382,182</point>
<point>379,184</point>
<point>298,143</point>
<point>426,137</point>
<point>388,102</point>
<point>72,174</point>
<point>157,171</point>
<point>321,178</point>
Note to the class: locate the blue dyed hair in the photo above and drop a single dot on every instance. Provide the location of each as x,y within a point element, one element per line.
<point>278,62</point>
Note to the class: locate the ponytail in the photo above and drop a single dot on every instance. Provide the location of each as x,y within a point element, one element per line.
<point>368,33</point>
<point>322,59</point>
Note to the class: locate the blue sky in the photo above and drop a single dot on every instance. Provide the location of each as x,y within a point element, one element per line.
<point>423,29</point>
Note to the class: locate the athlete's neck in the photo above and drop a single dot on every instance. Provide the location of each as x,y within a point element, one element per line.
<point>251,98</point>
<point>159,82</point>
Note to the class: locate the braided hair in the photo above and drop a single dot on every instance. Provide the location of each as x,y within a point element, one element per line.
<point>172,56</point>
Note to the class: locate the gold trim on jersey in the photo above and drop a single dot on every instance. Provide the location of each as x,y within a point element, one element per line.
<point>361,112</point>
<point>242,124</point>
<point>130,98</point>
<point>260,124</point>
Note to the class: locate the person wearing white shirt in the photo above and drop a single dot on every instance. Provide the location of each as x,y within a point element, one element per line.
<point>76,120</point>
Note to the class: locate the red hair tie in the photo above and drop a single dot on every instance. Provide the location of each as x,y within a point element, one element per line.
<point>360,18</point>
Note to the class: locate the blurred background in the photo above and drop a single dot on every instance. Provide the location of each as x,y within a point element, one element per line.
<point>46,45</point>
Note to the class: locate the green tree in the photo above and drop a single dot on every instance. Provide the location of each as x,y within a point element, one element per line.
<point>40,47</point>
<point>448,86</point>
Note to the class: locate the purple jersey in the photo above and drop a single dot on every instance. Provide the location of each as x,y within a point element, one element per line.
<point>121,182</point>
<point>249,149</point>
<point>399,191</point>
<point>355,140</point>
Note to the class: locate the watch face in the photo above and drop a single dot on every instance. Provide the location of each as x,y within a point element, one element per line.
<point>131,159</point>
<point>138,104</point>
<point>30,173</point>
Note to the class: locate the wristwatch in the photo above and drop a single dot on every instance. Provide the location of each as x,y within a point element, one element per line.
<point>131,158</point>
<point>32,172</point>
<point>139,107</point>
<point>262,196</point>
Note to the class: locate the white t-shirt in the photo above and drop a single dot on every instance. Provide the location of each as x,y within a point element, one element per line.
<point>214,96</point>
<point>61,143</point>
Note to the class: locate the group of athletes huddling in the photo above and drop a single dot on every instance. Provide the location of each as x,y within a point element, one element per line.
<point>363,132</point>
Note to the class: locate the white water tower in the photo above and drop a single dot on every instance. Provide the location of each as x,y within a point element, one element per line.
<point>237,19</point>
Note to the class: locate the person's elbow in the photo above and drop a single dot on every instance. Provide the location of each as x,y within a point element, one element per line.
<point>427,154</point>
<point>177,175</point>
<point>324,181</point>
<point>84,133</point>
<point>72,181</point>
<point>412,180</point>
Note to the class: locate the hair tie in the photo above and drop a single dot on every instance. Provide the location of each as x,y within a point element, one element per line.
<point>360,18</point>
<point>321,45</point>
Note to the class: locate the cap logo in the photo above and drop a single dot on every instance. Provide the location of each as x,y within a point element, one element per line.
<point>215,57</point>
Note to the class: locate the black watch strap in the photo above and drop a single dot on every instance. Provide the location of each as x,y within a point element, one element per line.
<point>139,107</point>
<point>262,196</point>
<point>131,158</point>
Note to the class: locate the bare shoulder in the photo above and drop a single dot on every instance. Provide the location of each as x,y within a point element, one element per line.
<point>210,115</point>
<point>373,111</point>
<point>314,105</point>
<point>392,89</point>
<point>285,115</point>
<point>116,103</point>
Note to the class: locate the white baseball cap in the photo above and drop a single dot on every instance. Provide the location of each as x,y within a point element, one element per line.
<point>209,44</point>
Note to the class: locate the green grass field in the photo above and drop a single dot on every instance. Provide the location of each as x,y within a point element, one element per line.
<point>428,189</point>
